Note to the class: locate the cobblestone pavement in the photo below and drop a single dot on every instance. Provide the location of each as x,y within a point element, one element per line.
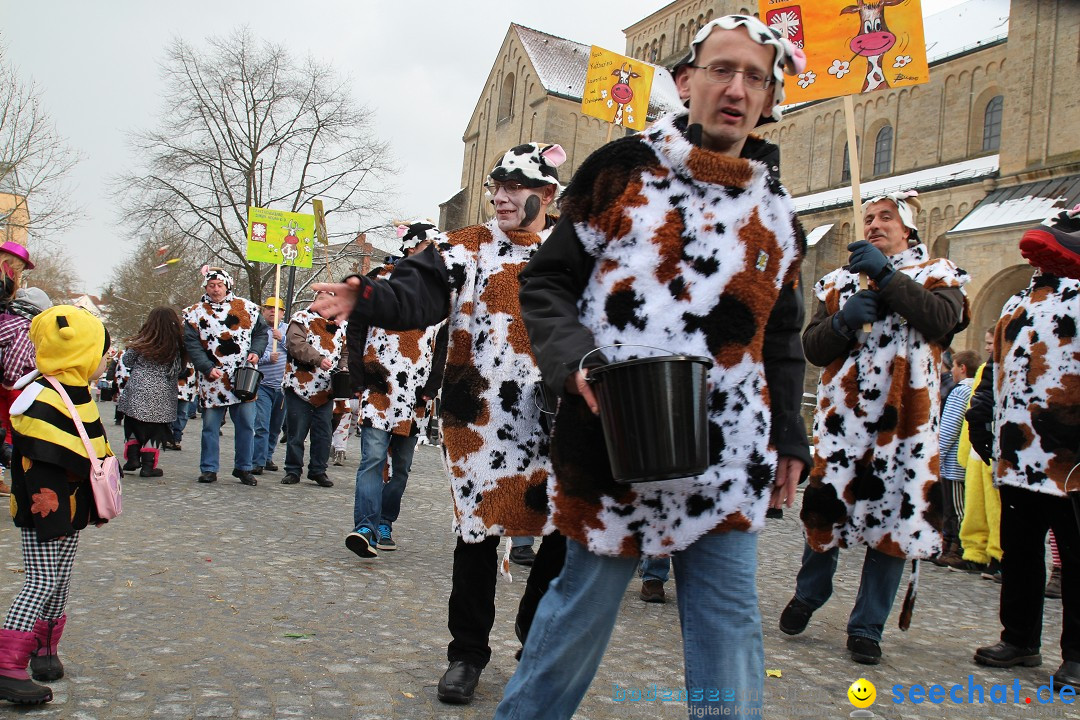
<point>227,601</point>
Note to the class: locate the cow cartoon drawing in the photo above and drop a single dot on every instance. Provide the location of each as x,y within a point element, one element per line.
<point>622,93</point>
<point>873,41</point>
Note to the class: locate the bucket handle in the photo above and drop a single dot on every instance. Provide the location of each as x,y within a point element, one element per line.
<point>537,395</point>
<point>581,363</point>
<point>1067,477</point>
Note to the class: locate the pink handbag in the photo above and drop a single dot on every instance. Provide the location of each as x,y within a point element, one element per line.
<point>104,474</point>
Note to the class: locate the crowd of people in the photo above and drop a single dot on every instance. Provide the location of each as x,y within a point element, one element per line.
<point>680,236</point>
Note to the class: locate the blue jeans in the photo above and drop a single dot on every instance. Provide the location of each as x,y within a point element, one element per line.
<point>881,575</point>
<point>302,417</point>
<point>654,568</point>
<point>718,611</point>
<point>243,417</point>
<point>377,502</point>
<point>180,422</point>
<point>269,412</point>
<point>522,541</point>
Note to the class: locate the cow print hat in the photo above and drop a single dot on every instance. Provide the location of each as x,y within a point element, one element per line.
<point>532,164</point>
<point>414,232</point>
<point>789,58</point>
<point>216,273</point>
<point>907,206</point>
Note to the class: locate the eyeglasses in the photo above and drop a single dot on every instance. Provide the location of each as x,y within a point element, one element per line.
<point>494,186</point>
<point>754,79</point>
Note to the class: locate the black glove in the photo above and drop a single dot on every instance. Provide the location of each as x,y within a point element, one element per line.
<point>862,307</point>
<point>982,440</point>
<point>867,259</point>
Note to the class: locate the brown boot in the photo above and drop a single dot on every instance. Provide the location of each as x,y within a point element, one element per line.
<point>951,557</point>
<point>1053,587</point>
<point>652,591</point>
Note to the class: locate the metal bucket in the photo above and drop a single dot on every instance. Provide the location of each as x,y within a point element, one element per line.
<point>245,382</point>
<point>654,416</point>
<point>341,384</point>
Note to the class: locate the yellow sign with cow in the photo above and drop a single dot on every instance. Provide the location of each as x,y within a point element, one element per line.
<point>617,88</point>
<point>851,46</point>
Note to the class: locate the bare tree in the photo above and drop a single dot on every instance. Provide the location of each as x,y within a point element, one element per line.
<point>55,273</point>
<point>35,162</point>
<point>244,125</point>
<point>136,286</point>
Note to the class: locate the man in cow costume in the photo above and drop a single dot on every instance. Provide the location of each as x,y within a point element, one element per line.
<point>402,371</point>
<point>1036,441</point>
<point>221,333</point>
<point>315,347</point>
<point>680,237</point>
<point>874,480</point>
<point>495,447</point>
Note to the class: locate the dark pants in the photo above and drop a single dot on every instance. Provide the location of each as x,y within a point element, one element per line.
<point>472,599</point>
<point>1026,517</point>
<point>302,416</point>
<point>182,416</point>
<point>952,492</point>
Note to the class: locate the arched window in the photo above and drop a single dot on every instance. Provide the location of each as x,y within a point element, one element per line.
<point>845,168</point>
<point>883,151</point>
<point>992,123</point>
<point>506,98</point>
<point>680,38</point>
<point>660,47</point>
<point>652,52</point>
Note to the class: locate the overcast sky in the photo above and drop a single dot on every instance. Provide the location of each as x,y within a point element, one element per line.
<point>419,65</point>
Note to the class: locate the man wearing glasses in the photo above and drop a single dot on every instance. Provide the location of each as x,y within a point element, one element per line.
<point>494,445</point>
<point>679,237</point>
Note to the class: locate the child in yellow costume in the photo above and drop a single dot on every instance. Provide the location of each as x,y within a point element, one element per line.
<point>51,498</point>
<point>980,532</point>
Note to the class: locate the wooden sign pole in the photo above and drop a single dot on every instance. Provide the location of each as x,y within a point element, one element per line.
<point>856,193</point>
<point>277,308</point>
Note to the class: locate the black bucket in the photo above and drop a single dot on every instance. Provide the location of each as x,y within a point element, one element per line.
<point>654,416</point>
<point>341,385</point>
<point>1074,495</point>
<point>245,382</point>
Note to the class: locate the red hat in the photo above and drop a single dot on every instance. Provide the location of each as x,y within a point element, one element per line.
<point>18,251</point>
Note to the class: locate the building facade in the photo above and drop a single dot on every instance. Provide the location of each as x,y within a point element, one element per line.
<point>990,141</point>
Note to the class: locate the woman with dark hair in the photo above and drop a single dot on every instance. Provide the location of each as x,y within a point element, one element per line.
<point>154,358</point>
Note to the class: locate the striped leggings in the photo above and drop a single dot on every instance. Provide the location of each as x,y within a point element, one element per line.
<point>48,577</point>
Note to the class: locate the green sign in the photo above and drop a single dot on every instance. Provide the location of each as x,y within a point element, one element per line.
<point>279,237</point>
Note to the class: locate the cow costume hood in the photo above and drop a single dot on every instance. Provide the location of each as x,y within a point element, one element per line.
<point>533,165</point>
<point>216,273</point>
<point>414,232</point>
<point>788,58</point>
<point>907,205</point>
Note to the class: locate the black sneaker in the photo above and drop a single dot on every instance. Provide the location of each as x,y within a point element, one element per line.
<point>208,477</point>
<point>362,543</point>
<point>1055,248</point>
<point>864,650</point>
<point>290,479</point>
<point>244,476</point>
<point>1004,655</point>
<point>522,555</point>
<point>993,570</point>
<point>320,479</point>
<point>795,617</point>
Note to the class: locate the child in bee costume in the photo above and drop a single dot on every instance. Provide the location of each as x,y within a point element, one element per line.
<point>51,498</point>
